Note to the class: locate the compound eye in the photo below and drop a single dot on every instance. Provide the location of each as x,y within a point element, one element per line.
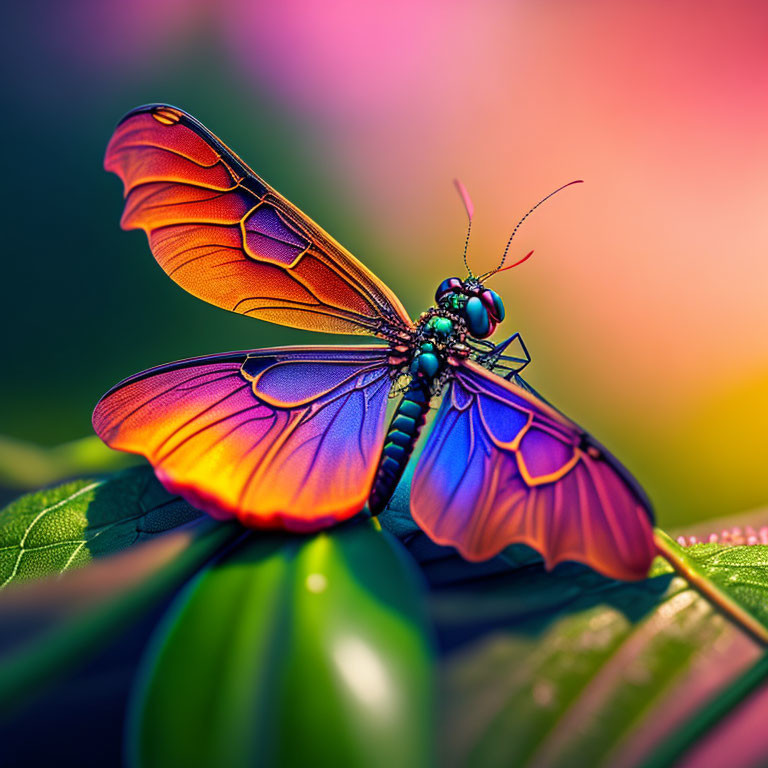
<point>493,303</point>
<point>451,285</point>
<point>476,314</point>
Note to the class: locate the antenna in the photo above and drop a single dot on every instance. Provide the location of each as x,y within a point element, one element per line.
<point>470,209</point>
<point>484,277</point>
<point>514,231</point>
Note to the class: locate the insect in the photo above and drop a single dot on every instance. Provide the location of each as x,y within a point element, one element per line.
<point>297,437</point>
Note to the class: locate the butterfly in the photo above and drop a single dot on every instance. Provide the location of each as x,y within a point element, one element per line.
<point>298,437</point>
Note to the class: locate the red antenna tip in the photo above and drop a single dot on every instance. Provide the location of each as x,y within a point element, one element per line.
<point>509,266</point>
<point>465,198</point>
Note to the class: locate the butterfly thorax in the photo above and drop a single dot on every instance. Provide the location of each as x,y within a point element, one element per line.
<point>434,348</point>
<point>423,363</point>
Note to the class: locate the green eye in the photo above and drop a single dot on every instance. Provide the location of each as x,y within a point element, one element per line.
<point>477,317</point>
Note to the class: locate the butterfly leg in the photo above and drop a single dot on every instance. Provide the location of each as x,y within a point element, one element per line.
<point>493,357</point>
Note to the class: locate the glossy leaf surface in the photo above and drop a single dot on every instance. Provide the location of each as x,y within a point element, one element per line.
<point>574,669</point>
<point>49,629</point>
<point>559,669</point>
<point>62,528</point>
<point>293,651</point>
<point>740,571</point>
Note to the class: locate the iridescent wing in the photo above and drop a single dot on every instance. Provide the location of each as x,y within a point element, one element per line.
<point>226,236</point>
<point>279,438</point>
<point>501,466</point>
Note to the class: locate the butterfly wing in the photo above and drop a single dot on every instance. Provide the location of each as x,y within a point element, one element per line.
<point>279,438</point>
<point>501,466</point>
<point>227,237</point>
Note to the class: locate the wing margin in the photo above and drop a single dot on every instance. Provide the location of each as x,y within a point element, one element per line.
<point>226,236</point>
<point>279,438</point>
<point>500,467</point>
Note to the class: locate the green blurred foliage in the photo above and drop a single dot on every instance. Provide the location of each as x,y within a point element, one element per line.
<point>599,677</point>
<point>83,303</point>
<point>291,650</point>
<point>300,651</point>
<point>25,465</point>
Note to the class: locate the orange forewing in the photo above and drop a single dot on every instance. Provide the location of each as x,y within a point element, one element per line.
<point>279,438</point>
<point>227,237</point>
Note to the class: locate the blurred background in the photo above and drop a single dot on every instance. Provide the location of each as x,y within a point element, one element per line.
<point>644,306</point>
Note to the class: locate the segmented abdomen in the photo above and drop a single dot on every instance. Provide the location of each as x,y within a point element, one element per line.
<point>398,444</point>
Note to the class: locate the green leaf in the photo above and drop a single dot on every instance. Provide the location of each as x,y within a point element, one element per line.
<point>569,668</point>
<point>94,616</point>
<point>58,529</point>
<point>26,465</point>
<point>734,573</point>
<point>711,728</point>
<point>293,651</point>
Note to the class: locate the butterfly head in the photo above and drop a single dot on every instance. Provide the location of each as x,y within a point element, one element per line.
<point>481,308</point>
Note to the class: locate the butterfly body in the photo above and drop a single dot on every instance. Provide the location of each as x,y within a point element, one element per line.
<point>424,363</point>
<point>441,339</point>
<point>296,437</point>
